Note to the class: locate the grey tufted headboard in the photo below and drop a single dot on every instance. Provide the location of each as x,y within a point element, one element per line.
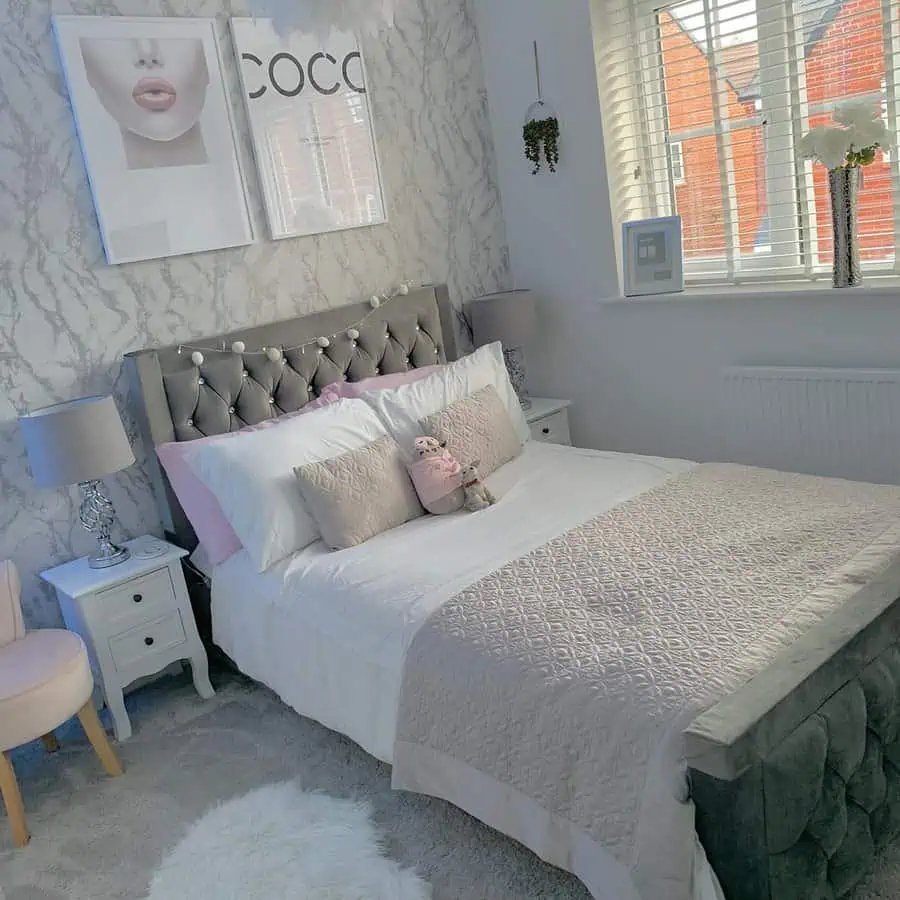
<point>174,400</point>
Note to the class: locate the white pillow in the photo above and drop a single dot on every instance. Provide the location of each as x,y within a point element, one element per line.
<point>402,409</point>
<point>252,475</point>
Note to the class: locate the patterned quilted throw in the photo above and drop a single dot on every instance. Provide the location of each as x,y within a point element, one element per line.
<point>546,690</point>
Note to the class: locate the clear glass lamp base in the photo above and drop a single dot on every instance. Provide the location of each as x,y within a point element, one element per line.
<point>515,366</point>
<point>98,516</point>
<point>108,556</point>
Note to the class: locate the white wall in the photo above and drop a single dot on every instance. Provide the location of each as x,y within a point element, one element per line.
<point>558,226</point>
<point>644,374</point>
<point>656,374</point>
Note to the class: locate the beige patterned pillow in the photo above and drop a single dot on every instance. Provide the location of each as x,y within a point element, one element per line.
<point>477,428</point>
<point>359,494</point>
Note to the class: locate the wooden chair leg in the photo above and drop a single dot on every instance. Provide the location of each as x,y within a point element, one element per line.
<point>15,809</point>
<point>51,744</point>
<point>90,722</point>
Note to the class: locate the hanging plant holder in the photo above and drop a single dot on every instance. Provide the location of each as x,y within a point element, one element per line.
<point>541,136</point>
<point>541,129</point>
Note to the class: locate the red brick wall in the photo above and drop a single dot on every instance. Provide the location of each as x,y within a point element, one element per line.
<point>854,35</point>
<point>699,199</point>
<point>689,104</point>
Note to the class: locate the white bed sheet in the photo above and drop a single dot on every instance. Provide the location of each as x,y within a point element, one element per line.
<point>329,631</point>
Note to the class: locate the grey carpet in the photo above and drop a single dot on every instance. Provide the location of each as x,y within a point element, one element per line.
<point>95,838</point>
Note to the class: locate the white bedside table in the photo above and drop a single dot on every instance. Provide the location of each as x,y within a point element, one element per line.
<point>135,618</point>
<point>549,420</point>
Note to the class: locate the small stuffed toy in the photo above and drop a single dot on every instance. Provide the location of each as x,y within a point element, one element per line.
<point>478,496</point>
<point>435,473</point>
<point>428,447</point>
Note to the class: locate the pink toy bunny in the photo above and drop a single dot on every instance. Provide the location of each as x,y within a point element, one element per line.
<point>436,476</point>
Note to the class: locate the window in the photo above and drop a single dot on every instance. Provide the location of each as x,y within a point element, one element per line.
<point>705,102</point>
<point>676,154</point>
<point>355,105</point>
<point>372,211</point>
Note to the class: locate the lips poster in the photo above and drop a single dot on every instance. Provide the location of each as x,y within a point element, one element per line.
<point>156,132</point>
<point>308,109</point>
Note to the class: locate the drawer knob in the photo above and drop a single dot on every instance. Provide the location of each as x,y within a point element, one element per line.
<point>148,641</point>
<point>545,430</point>
<point>138,598</point>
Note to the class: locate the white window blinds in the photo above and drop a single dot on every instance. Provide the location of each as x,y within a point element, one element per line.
<point>704,103</point>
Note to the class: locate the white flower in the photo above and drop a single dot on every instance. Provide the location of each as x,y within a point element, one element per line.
<point>827,144</point>
<point>859,127</point>
<point>811,141</point>
<point>867,134</point>
<point>856,112</point>
<point>834,148</point>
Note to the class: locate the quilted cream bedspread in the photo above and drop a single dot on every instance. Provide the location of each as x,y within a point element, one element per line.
<point>540,697</point>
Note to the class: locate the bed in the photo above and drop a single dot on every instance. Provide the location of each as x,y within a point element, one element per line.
<point>791,780</point>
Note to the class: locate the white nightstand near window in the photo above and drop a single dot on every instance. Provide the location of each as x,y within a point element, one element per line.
<point>135,618</point>
<point>549,420</point>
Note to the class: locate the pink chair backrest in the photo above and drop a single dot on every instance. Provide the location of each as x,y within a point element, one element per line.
<point>12,627</point>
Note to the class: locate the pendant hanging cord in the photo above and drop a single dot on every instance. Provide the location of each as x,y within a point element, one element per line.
<point>537,73</point>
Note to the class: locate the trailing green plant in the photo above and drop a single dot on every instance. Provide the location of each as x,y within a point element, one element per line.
<point>542,138</point>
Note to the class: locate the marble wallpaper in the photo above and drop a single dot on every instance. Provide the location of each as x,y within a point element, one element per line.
<point>66,317</point>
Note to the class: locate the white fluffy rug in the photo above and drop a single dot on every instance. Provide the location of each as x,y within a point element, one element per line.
<point>281,843</point>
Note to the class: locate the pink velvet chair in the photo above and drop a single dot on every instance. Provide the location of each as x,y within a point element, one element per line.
<point>45,679</point>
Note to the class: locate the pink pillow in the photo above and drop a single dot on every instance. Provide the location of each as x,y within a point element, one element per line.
<point>331,393</point>
<point>352,389</point>
<point>198,502</point>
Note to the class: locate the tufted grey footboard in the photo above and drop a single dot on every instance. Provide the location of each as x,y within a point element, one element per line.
<point>796,777</point>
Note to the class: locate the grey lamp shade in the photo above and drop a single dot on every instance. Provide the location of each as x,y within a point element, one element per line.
<point>81,440</point>
<point>508,317</point>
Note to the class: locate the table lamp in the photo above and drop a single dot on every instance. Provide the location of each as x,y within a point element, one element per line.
<point>508,317</point>
<point>80,442</point>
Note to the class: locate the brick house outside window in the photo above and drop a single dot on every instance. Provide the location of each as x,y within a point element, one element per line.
<point>849,31</point>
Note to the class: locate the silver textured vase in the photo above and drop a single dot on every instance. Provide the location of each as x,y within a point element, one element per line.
<point>844,186</point>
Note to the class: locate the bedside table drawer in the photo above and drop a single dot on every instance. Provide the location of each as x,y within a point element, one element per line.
<point>144,597</point>
<point>146,640</point>
<point>553,429</point>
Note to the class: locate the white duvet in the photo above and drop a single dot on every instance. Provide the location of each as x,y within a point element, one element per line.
<point>329,631</point>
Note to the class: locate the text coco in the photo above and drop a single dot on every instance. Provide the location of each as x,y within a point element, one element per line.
<point>288,76</point>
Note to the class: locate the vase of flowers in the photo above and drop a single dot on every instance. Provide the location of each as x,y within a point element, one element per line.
<point>853,141</point>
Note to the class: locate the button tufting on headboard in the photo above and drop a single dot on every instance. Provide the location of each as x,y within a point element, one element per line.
<point>177,400</point>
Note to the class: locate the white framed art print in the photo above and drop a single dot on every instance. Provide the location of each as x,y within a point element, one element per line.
<point>309,117</point>
<point>157,134</point>
<point>652,256</point>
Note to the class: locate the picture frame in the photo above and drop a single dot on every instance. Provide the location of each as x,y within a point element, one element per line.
<point>157,134</point>
<point>652,256</point>
<point>311,127</point>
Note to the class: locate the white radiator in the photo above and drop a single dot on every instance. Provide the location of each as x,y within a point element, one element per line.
<point>841,422</point>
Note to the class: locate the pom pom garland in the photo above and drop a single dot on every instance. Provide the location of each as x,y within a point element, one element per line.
<point>275,354</point>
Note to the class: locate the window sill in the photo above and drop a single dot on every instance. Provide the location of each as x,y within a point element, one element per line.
<point>874,287</point>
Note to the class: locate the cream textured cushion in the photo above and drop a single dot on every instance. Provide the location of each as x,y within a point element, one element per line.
<point>354,496</point>
<point>402,409</point>
<point>251,475</point>
<point>477,428</point>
